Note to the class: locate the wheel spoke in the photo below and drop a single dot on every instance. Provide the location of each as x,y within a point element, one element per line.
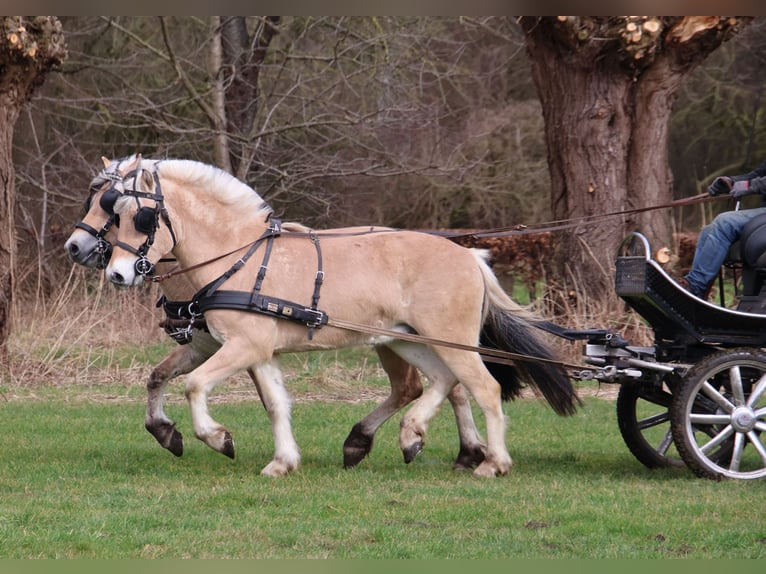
<point>758,445</point>
<point>665,443</point>
<point>757,393</point>
<point>717,397</point>
<point>719,411</point>
<point>717,439</point>
<point>709,419</point>
<point>654,420</point>
<point>736,455</point>
<point>735,378</point>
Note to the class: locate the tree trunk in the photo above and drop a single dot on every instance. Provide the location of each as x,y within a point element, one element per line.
<point>8,115</point>
<point>243,57</point>
<point>607,87</point>
<point>28,50</point>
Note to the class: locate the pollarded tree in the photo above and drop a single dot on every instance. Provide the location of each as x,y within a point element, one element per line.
<point>607,87</point>
<point>29,48</point>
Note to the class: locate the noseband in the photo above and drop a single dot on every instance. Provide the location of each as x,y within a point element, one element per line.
<point>146,221</point>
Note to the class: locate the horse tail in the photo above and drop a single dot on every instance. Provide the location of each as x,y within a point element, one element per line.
<point>508,327</point>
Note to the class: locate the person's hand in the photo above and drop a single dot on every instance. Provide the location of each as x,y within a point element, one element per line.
<point>720,186</point>
<point>741,189</point>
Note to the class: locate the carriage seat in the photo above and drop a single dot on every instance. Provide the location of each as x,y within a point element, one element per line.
<point>750,253</point>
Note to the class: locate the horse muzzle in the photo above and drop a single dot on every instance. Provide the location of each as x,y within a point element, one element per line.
<point>123,275</point>
<point>89,253</point>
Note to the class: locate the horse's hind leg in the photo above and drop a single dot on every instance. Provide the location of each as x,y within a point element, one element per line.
<point>472,447</point>
<point>405,388</point>
<point>444,368</point>
<point>469,368</point>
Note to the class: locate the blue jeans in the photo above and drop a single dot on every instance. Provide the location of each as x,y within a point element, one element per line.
<point>713,246</point>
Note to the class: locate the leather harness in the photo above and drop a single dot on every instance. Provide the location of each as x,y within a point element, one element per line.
<point>183,316</point>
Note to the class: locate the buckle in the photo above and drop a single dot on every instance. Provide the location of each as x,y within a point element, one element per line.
<point>316,318</point>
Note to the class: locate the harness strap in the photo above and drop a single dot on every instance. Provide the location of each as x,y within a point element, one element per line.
<point>274,229</point>
<point>143,266</point>
<point>211,297</point>
<point>263,304</point>
<point>268,235</point>
<point>318,280</point>
<point>92,230</point>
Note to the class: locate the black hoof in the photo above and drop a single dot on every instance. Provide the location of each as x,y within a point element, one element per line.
<point>468,458</point>
<point>356,446</point>
<point>169,438</point>
<point>228,445</point>
<point>176,444</point>
<point>412,451</point>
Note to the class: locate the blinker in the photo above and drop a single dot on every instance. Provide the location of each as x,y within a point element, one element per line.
<point>108,200</point>
<point>145,220</point>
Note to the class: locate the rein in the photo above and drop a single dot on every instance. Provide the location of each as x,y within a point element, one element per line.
<point>519,229</point>
<point>487,353</point>
<point>558,225</point>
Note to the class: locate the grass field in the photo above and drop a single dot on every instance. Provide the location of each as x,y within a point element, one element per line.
<point>80,478</point>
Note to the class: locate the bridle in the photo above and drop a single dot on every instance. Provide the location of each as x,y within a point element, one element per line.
<point>146,221</point>
<point>107,200</point>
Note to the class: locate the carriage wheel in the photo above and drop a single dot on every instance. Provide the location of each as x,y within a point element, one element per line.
<point>719,413</point>
<point>643,415</point>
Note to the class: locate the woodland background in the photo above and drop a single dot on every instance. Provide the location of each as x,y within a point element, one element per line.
<point>410,122</point>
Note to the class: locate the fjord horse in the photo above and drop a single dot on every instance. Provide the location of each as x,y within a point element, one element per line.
<point>90,245</point>
<point>400,282</point>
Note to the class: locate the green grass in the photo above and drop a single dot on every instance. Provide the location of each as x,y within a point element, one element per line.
<point>82,479</point>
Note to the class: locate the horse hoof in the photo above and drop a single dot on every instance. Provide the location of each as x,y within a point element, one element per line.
<point>168,437</point>
<point>356,446</point>
<point>275,469</point>
<point>412,451</point>
<point>176,444</point>
<point>468,458</point>
<point>488,470</point>
<point>352,457</point>
<point>228,445</point>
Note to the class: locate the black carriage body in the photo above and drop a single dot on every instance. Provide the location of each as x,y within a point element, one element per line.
<point>686,328</point>
<point>704,380</point>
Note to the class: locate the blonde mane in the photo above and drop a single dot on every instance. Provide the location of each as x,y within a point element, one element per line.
<point>214,181</point>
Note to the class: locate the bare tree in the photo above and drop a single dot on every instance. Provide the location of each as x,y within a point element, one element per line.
<point>607,86</point>
<point>29,48</point>
<point>333,120</point>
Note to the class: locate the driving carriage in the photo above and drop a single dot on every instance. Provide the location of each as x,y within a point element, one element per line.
<point>700,387</point>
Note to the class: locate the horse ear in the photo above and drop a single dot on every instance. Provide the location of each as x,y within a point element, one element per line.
<point>105,160</point>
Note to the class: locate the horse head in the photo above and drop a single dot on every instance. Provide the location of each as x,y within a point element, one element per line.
<point>90,244</point>
<point>142,240</point>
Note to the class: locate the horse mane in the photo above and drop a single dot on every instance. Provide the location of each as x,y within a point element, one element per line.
<point>212,180</point>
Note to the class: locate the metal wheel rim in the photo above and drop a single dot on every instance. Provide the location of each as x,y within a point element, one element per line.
<point>652,451</point>
<point>737,421</point>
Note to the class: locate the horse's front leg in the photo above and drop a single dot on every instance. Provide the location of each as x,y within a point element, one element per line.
<point>181,360</point>
<point>269,381</point>
<point>228,360</point>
